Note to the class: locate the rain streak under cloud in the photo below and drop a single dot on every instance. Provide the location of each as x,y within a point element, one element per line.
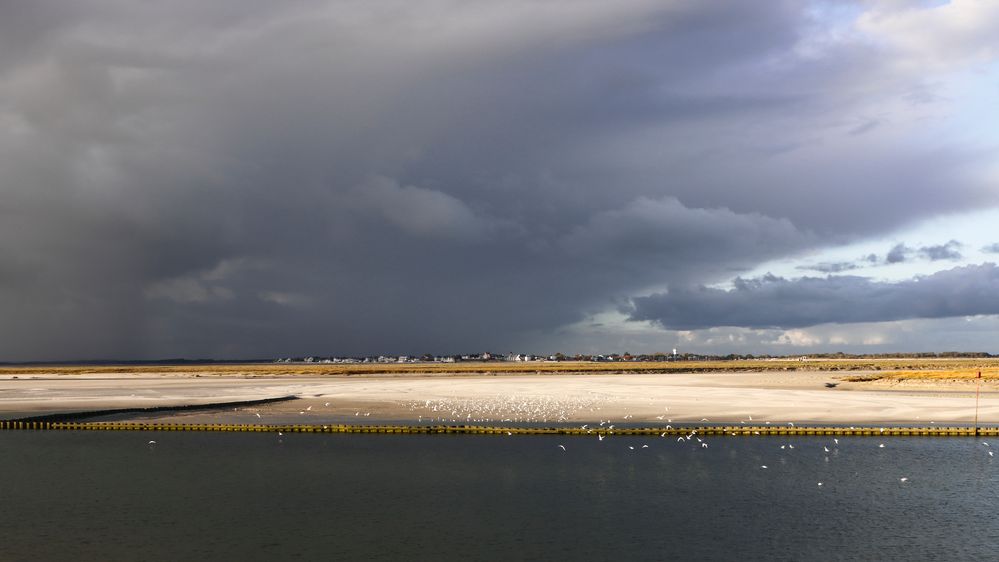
<point>253,179</point>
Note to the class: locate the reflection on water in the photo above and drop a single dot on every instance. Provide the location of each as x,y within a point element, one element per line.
<point>114,496</point>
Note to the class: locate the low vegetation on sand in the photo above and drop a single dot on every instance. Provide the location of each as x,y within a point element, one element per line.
<point>989,373</point>
<point>865,369</point>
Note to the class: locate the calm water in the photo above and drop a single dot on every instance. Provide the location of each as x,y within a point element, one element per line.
<point>111,496</point>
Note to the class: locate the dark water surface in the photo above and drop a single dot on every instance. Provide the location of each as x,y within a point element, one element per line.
<point>112,496</point>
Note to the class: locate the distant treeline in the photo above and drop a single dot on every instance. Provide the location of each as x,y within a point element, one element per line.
<point>496,357</point>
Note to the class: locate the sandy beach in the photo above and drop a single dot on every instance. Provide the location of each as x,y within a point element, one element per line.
<point>777,397</point>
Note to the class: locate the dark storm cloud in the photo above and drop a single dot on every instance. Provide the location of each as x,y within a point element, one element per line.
<point>830,267</point>
<point>948,251</point>
<point>991,248</point>
<point>901,253</point>
<point>776,302</point>
<point>258,178</point>
<point>898,254</point>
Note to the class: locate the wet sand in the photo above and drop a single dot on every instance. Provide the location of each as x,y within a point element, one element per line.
<point>778,397</point>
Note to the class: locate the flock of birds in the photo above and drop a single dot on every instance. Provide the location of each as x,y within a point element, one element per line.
<point>544,409</point>
<point>549,409</point>
<point>504,409</point>
<point>684,439</point>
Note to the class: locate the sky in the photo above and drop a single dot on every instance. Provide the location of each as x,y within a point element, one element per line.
<point>254,179</point>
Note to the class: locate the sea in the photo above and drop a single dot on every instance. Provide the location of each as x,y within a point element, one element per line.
<point>256,496</point>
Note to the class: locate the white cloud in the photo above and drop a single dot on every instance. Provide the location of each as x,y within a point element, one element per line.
<point>797,338</point>
<point>939,37</point>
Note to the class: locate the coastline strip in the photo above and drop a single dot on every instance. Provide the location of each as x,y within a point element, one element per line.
<point>732,431</point>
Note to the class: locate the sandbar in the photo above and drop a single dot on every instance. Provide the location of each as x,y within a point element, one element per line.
<point>776,397</point>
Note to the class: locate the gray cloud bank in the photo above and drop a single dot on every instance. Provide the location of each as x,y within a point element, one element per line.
<point>245,179</point>
<point>899,253</point>
<point>902,253</point>
<point>776,302</point>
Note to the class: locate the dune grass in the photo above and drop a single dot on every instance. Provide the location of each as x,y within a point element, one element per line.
<point>990,373</point>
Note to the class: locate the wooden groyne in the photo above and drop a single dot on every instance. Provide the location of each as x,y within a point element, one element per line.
<point>733,431</point>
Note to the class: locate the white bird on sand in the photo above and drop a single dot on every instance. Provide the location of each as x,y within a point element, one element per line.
<point>309,409</point>
<point>257,414</point>
<point>327,404</point>
<point>562,447</point>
